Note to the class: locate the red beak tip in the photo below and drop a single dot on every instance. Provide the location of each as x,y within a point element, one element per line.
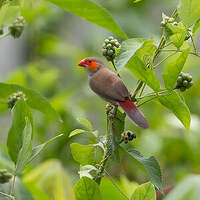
<point>81,63</point>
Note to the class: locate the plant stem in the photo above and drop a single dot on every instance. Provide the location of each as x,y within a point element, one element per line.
<point>5,35</point>
<point>115,67</point>
<point>195,50</point>
<point>177,50</point>
<point>154,97</point>
<point>140,84</point>
<point>164,59</point>
<point>7,195</point>
<point>13,184</point>
<point>113,182</point>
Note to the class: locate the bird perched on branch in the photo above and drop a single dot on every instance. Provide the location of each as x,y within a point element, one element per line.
<point>111,88</point>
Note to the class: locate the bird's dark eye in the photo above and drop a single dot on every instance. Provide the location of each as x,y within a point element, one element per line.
<point>89,61</point>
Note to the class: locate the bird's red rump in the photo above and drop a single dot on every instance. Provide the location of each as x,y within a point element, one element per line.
<point>134,113</point>
<point>127,104</point>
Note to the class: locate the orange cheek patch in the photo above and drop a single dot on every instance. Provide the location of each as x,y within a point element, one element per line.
<point>93,66</point>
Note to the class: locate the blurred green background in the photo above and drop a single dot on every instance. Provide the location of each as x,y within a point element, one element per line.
<point>45,59</point>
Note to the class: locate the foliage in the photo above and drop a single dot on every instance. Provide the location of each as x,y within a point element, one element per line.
<point>96,148</point>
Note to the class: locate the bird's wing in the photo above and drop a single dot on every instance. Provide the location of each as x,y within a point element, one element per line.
<point>108,85</point>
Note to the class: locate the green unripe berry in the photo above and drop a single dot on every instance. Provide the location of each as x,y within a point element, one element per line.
<point>189,77</point>
<point>106,41</point>
<point>1,31</point>
<point>175,23</point>
<point>111,38</point>
<point>190,84</point>
<point>184,76</point>
<point>162,24</point>
<point>104,52</point>
<point>112,42</point>
<point>182,89</point>
<point>117,44</point>
<point>185,83</point>
<point>179,80</point>
<point>171,19</point>
<point>109,46</point>
<point>110,52</point>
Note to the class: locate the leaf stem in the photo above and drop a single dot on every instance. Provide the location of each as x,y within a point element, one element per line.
<point>13,184</point>
<point>177,50</point>
<point>115,67</point>
<point>154,97</point>
<point>113,182</point>
<point>7,195</point>
<point>164,59</point>
<point>5,35</point>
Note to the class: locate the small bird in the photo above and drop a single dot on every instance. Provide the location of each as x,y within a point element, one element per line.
<point>111,88</point>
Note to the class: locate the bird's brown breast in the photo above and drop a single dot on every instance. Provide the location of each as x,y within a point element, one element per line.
<point>108,85</point>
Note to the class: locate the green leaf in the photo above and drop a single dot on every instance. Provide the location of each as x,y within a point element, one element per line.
<point>36,150</point>
<point>34,100</point>
<point>175,103</point>
<point>87,189</point>
<point>76,132</point>
<point>20,112</point>
<point>26,150</point>
<point>178,34</point>
<point>88,170</point>
<point>135,55</point>
<point>189,184</point>
<point>173,70</point>
<point>87,154</point>
<point>8,14</point>
<point>189,11</point>
<point>150,164</point>
<point>140,71</point>
<point>145,191</point>
<point>92,12</point>
<point>196,27</point>
<point>85,123</point>
<point>126,51</point>
<point>50,178</point>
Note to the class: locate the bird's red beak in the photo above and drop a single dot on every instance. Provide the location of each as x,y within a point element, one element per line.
<point>82,63</point>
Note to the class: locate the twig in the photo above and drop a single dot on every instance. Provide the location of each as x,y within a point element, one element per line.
<point>140,84</point>
<point>164,59</point>
<point>113,182</point>
<point>177,50</point>
<point>7,195</point>
<point>168,44</point>
<point>5,35</point>
<point>142,90</point>
<point>13,184</point>
<point>153,98</point>
<point>195,50</point>
<point>115,67</point>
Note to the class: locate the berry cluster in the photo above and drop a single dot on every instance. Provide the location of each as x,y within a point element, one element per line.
<point>109,48</point>
<point>184,81</point>
<point>4,176</point>
<point>12,99</point>
<point>17,27</point>
<point>127,136</point>
<point>168,20</point>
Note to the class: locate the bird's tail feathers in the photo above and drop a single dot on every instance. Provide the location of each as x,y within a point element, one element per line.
<point>134,113</point>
